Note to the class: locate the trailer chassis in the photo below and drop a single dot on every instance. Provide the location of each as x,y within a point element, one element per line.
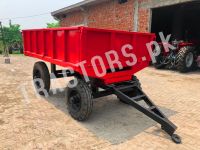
<point>124,91</point>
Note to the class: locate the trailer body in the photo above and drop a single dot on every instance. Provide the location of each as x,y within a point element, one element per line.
<point>67,47</point>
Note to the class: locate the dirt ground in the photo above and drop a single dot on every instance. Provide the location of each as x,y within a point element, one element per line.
<point>30,122</point>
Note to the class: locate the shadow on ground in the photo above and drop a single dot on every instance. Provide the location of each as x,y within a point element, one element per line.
<point>112,120</point>
<point>194,71</point>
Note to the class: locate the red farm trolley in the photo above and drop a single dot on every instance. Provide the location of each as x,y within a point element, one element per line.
<point>103,63</point>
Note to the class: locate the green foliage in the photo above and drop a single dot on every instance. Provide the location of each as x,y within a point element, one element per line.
<point>53,25</point>
<point>12,34</point>
<point>16,52</point>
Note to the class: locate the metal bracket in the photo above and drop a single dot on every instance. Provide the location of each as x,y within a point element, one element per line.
<point>60,73</point>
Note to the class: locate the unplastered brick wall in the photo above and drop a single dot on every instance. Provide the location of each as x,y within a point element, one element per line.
<point>144,16</point>
<point>111,15</point>
<point>143,22</point>
<point>72,19</point>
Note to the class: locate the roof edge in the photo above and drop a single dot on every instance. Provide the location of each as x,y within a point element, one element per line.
<point>75,7</point>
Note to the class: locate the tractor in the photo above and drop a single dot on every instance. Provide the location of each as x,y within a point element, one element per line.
<point>184,57</point>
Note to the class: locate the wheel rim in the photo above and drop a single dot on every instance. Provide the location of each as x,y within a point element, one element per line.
<point>75,101</point>
<point>189,60</point>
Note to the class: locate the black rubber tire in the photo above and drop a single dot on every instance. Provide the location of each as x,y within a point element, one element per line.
<point>41,71</point>
<point>83,95</point>
<point>181,59</point>
<point>159,65</point>
<point>159,58</point>
<point>137,81</point>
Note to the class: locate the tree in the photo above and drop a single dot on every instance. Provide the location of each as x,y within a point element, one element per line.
<point>12,34</point>
<point>1,47</point>
<point>12,38</point>
<point>53,25</point>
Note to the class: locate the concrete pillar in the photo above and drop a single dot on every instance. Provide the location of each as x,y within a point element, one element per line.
<point>85,15</point>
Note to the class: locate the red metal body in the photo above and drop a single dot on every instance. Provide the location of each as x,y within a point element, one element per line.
<point>67,47</point>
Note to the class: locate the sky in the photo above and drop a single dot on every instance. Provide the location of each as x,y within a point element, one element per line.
<point>23,8</point>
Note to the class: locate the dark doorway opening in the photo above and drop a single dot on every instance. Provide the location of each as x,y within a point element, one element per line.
<point>182,21</point>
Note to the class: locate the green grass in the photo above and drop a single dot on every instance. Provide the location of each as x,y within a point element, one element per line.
<point>16,52</point>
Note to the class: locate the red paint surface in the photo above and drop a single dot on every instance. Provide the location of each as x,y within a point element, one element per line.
<point>68,46</point>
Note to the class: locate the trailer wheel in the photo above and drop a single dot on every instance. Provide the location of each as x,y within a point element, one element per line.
<point>185,59</point>
<point>137,82</point>
<point>41,72</point>
<point>79,100</point>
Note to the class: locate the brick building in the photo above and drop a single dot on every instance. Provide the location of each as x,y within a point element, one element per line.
<point>132,15</point>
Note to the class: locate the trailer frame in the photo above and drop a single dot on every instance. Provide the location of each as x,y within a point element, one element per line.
<point>119,89</point>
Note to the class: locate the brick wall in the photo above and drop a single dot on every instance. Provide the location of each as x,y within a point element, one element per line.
<point>111,15</point>
<point>72,19</point>
<point>143,20</point>
<point>144,16</point>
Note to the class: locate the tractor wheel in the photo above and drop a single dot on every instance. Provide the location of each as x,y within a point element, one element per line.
<point>159,64</point>
<point>159,61</point>
<point>185,59</point>
<point>137,82</point>
<point>41,78</point>
<point>79,100</point>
